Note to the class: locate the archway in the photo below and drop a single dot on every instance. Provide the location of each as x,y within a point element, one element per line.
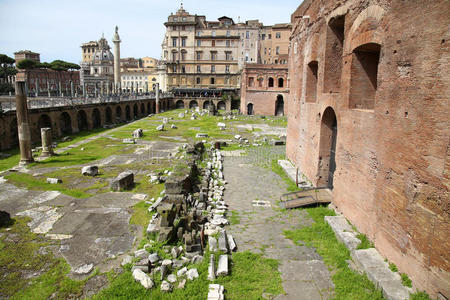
<point>193,104</point>
<point>279,106</point>
<point>118,114</point>
<point>206,104</point>
<point>65,123</point>
<point>149,111</point>
<point>154,107</point>
<point>142,109</point>
<point>82,120</point>
<point>108,115</point>
<point>327,149</point>
<point>96,119</point>
<point>135,111</point>
<point>44,121</point>
<point>127,113</point>
<point>221,106</point>
<point>280,82</point>
<point>179,104</point>
<point>250,109</point>
<point>270,82</point>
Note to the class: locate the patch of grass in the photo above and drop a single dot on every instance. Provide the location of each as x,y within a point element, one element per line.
<point>32,183</point>
<point>365,242</point>
<point>11,161</point>
<point>235,218</point>
<point>27,272</point>
<point>348,283</point>
<point>393,267</point>
<point>277,169</point>
<point>419,296</point>
<point>405,280</point>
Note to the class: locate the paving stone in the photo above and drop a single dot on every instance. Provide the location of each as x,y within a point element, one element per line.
<point>223,245</point>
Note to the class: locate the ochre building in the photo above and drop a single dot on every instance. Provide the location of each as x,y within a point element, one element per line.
<point>369,118</point>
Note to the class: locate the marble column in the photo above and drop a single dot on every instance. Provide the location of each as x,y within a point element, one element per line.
<point>158,109</point>
<point>23,125</point>
<point>47,147</point>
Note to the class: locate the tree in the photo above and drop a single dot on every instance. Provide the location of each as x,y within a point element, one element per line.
<point>7,69</point>
<point>27,64</point>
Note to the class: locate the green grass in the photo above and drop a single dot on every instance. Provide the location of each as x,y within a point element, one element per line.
<point>393,267</point>
<point>11,161</point>
<point>405,280</point>
<point>251,276</point>
<point>20,256</point>
<point>32,183</point>
<point>277,169</point>
<point>235,219</point>
<point>365,242</point>
<point>348,283</point>
<point>420,296</point>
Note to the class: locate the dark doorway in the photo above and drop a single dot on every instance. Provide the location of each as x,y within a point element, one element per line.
<point>65,123</point>
<point>44,122</point>
<point>127,113</point>
<point>179,104</point>
<point>82,120</point>
<point>96,119</point>
<point>327,150</point>
<point>135,111</point>
<point>118,114</point>
<point>250,109</point>
<point>142,109</point>
<point>193,104</point>
<point>279,106</point>
<point>206,104</point>
<point>221,106</point>
<point>108,115</point>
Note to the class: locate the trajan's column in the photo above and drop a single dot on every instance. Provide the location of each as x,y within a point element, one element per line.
<point>116,41</point>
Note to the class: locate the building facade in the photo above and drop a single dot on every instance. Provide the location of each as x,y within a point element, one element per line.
<point>27,54</point>
<point>275,43</point>
<point>264,90</point>
<point>368,117</point>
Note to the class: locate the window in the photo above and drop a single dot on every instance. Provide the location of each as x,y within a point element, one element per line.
<point>174,42</point>
<point>183,42</point>
<point>277,50</point>
<point>270,51</point>
<point>183,69</point>
<point>265,50</point>
<point>213,55</point>
<point>213,43</point>
<point>227,69</point>
<point>263,36</point>
<point>199,55</point>
<point>183,27</point>
<point>198,80</point>
<point>246,57</point>
<point>228,44</point>
<point>227,55</point>
<point>199,43</point>
<point>228,33</point>
<point>276,61</point>
<point>213,68</point>
<point>260,81</point>
<point>311,82</point>
<point>278,35</point>
<point>270,82</point>
<point>280,82</point>
<point>213,33</point>
<point>199,33</point>
<point>175,18</point>
<point>250,81</point>
<point>269,36</point>
<point>174,56</point>
<point>247,34</point>
<point>183,55</point>
<point>199,69</point>
<point>333,55</point>
<point>174,68</point>
<point>364,76</point>
<point>212,80</point>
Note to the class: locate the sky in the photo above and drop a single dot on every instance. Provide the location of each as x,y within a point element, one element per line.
<point>57,28</point>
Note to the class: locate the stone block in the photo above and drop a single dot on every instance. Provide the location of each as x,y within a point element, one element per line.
<point>142,278</point>
<point>54,180</point>
<point>212,268</point>
<point>89,170</point>
<point>128,141</point>
<point>124,181</point>
<point>5,218</point>
<point>223,244</point>
<point>138,133</point>
<point>222,268</point>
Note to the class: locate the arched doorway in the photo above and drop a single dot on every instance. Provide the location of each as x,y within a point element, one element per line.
<point>96,120</point>
<point>270,82</point>
<point>108,115</point>
<point>149,111</point>
<point>179,104</point>
<point>327,149</point>
<point>279,106</point>
<point>280,82</point>
<point>65,123</point>
<point>127,113</point>
<point>193,104</point>
<point>221,106</point>
<point>142,109</point>
<point>250,109</point>
<point>135,111</point>
<point>206,104</point>
<point>44,121</point>
<point>154,107</point>
<point>82,120</point>
<point>118,114</point>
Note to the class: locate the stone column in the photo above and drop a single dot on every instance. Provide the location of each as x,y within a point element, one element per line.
<point>48,89</point>
<point>84,90</point>
<point>158,109</point>
<point>47,147</point>
<point>23,125</point>
<point>71,89</point>
<point>36,87</point>
<point>116,40</point>
<point>59,88</point>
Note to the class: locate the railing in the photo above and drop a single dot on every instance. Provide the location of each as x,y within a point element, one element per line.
<point>36,103</point>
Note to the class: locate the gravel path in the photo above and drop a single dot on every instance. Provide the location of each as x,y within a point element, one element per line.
<point>260,228</point>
